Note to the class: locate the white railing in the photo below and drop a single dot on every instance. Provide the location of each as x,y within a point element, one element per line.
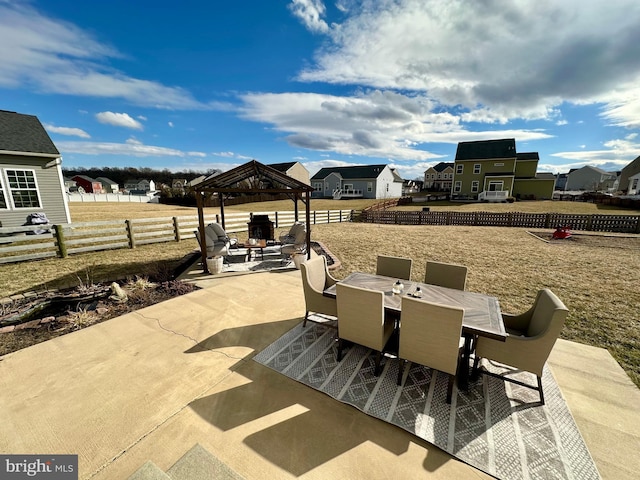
<point>493,196</point>
<point>338,193</point>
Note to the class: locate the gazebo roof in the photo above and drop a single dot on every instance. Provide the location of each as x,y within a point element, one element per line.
<point>252,177</point>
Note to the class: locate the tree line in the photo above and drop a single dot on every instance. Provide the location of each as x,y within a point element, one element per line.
<point>121,175</point>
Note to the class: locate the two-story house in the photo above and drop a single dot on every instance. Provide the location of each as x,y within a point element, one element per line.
<point>591,178</point>
<point>492,170</point>
<point>87,184</point>
<point>366,181</point>
<point>439,178</point>
<point>30,172</point>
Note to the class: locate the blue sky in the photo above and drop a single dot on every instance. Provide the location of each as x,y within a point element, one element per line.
<point>201,84</point>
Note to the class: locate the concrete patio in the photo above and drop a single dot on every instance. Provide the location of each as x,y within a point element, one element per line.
<point>151,384</point>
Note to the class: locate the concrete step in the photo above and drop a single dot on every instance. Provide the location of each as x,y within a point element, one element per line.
<point>149,471</point>
<point>199,464</point>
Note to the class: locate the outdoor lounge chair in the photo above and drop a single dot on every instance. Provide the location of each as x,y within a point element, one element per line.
<point>430,334</point>
<point>217,240</point>
<point>395,267</point>
<point>315,278</point>
<point>446,275</point>
<point>294,242</point>
<point>361,320</point>
<point>531,336</point>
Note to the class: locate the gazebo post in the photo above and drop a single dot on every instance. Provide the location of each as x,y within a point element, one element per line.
<point>203,240</point>
<point>308,215</point>
<point>221,197</point>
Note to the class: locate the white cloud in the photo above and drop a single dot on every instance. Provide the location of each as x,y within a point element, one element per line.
<point>379,124</point>
<point>118,120</point>
<point>131,148</point>
<point>197,154</point>
<point>53,56</point>
<point>615,156</point>
<point>70,131</point>
<point>497,60</point>
<point>311,13</point>
<point>231,155</point>
<point>170,124</point>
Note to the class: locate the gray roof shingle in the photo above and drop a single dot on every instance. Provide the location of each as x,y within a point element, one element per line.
<point>24,133</point>
<point>483,149</point>
<point>361,171</point>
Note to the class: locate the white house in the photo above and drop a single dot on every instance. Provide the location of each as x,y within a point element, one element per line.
<point>365,181</point>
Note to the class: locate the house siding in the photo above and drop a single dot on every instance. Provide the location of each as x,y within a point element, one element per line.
<point>490,169</point>
<point>533,188</point>
<point>300,173</point>
<point>50,188</point>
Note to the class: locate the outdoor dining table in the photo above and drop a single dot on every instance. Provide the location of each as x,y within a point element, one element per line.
<point>482,315</point>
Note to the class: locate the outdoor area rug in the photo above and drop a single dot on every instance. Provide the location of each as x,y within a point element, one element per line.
<point>273,260</point>
<point>497,427</point>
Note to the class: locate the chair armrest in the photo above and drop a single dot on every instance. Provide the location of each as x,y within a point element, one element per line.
<point>517,324</point>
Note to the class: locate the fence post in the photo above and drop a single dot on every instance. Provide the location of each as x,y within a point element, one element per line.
<point>132,242</point>
<point>590,223</point>
<point>277,225</point>
<point>62,247</point>
<point>448,218</point>
<point>328,216</point>
<point>176,229</point>
<point>314,217</point>
<point>510,221</point>
<point>547,221</point>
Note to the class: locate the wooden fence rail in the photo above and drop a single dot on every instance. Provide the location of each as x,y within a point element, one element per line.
<point>595,222</point>
<point>19,244</point>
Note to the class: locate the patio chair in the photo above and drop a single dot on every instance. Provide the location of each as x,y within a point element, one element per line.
<point>531,337</point>
<point>396,267</point>
<point>294,242</point>
<point>217,240</point>
<point>361,320</point>
<point>430,334</point>
<point>446,275</point>
<point>315,278</point>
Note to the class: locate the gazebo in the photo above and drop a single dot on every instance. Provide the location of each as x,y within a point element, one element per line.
<point>252,177</point>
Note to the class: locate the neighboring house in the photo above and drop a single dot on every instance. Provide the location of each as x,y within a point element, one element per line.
<point>493,170</point>
<point>179,183</point>
<point>30,172</point>
<point>87,184</point>
<point>634,184</point>
<point>367,181</point>
<point>140,185</point>
<point>294,170</point>
<point>70,185</point>
<point>591,179</point>
<point>627,172</point>
<point>108,185</point>
<point>195,181</point>
<point>439,178</point>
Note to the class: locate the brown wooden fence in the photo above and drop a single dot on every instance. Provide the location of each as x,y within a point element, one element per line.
<point>21,244</point>
<point>595,222</point>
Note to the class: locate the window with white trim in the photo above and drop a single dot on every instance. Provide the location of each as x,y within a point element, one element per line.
<point>475,186</point>
<point>369,187</point>
<point>496,186</point>
<point>317,186</point>
<point>3,198</point>
<point>476,168</point>
<point>457,187</point>
<point>459,168</point>
<point>23,188</point>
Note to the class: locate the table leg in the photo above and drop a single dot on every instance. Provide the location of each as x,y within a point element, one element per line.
<point>463,371</point>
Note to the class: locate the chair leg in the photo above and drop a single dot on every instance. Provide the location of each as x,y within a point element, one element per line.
<point>340,345</point>
<point>475,371</point>
<point>452,379</point>
<point>376,370</point>
<point>540,390</point>
<point>306,315</point>
<point>400,370</point>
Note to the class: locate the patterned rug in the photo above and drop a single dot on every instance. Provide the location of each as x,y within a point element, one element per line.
<point>497,427</point>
